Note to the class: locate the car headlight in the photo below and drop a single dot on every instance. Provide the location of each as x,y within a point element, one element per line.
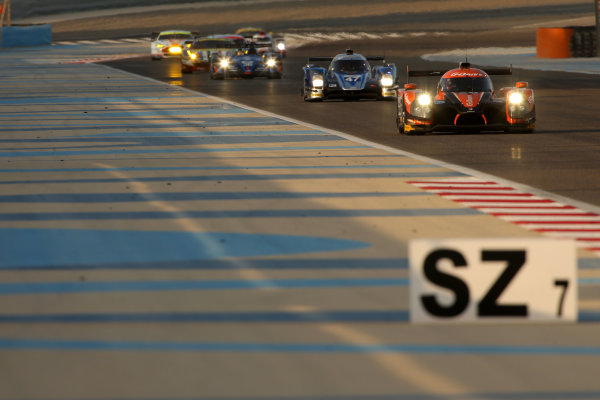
<point>224,63</point>
<point>193,56</point>
<point>175,50</point>
<point>317,81</point>
<point>424,99</point>
<point>515,98</point>
<point>387,81</point>
<point>280,46</point>
<point>160,46</point>
<point>271,62</point>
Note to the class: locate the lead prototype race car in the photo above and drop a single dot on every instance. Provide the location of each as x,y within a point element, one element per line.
<point>465,101</point>
<point>246,63</point>
<point>349,76</point>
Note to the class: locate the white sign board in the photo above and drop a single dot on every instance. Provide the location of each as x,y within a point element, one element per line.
<point>493,280</point>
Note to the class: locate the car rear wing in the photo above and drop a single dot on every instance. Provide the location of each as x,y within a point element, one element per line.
<point>370,58</point>
<point>489,71</point>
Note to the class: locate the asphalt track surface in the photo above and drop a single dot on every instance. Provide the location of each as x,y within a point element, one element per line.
<point>560,157</point>
<point>246,340</point>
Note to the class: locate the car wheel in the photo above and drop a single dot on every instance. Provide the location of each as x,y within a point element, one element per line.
<point>399,126</point>
<point>304,93</point>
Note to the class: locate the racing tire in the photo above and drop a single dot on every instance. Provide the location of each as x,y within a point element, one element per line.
<point>304,94</point>
<point>399,127</point>
<point>400,117</point>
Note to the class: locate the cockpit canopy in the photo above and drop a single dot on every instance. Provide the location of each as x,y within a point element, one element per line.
<point>350,66</point>
<point>466,84</point>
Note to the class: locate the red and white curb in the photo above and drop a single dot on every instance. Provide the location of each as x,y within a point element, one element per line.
<point>532,212</point>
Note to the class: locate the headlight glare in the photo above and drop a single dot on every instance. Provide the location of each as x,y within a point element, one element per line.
<point>317,81</point>
<point>224,63</point>
<point>515,98</point>
<point>280,46</point>
<point>175,50</point>
<point>271,62</point>
<point>424,99</point>
<point>387,81</point>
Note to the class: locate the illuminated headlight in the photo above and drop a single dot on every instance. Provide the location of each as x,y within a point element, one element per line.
<point>424,99</point>
<point>387,81</point>
<point>160,46</point>
<point>193,56</point>
<point>515,98</point>
<point>175,50</point>
<point>224,63</point>
<point>271,62</point>
<point>281,46</point>
<point>317,81</point>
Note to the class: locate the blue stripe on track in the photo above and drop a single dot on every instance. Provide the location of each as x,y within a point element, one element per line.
<point>337,263</point>
<point>30,247</point>
<point>17,154</point>
<point>346,316</point>
<point>161,142</point>
<point>249,177</point>
<point>146,123</point>
<point>221,317</point>
<point>254,347</point>
<point>325,213</point>
<point>219,168</point>
<point>92,114</point>
<point>198,133</point>
<point>30,288</point>
<point>209,285</point>
<point>189,196</point>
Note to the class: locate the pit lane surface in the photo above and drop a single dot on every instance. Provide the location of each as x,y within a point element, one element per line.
<point>560,157</point>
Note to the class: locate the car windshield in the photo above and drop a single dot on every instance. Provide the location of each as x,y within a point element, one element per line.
<point>466,84</point>
<point>174,36</point>
<point>350,66</point>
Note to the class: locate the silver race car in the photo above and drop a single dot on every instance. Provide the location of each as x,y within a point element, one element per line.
<point>169,43</point>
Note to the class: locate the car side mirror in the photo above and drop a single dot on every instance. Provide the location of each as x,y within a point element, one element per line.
<point>521,85</point>
<point>410,86</point>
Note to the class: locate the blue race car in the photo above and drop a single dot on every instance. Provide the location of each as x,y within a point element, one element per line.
<point>246,63</point>
<point>349,76</point>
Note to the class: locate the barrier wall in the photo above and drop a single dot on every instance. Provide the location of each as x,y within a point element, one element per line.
<point>27,35</point>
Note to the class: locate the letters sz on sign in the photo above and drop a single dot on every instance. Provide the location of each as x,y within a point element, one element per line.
<point>493,280</point>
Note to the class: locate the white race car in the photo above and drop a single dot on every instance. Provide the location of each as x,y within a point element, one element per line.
<point>169,43</point>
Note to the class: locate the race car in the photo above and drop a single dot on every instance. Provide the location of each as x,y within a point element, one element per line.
<point>169,43</point>
<point>281,45</point>
<point>465,101</point>
<point>263,42</point>
<point>198,55</point>
<point>246,63</point>
<point>349,76</point>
